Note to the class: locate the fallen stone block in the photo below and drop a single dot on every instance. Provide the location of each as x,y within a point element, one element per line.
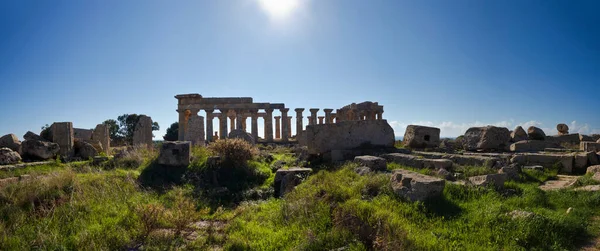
<point>415,186</point>
<point>528,146</point>
<point>589,146</point>
<point>593,158</point>
<point>375,163</point>
<point>535,133</point>
<point>546,160</point>
<point>437,164</point>
<point>287,179</point>
<point>8,156</point>
<point>39,150</point>
<point>84,150</point>
<point>175,153</point>
<point>404,159</point>
<point>518,134</point>
<point>580,160</point>
<point>512,171</point>
<point>417,136</point>
<point>593,169</point>
<point>486,138</point>
<point>497,180</point>
<point>11,142</point>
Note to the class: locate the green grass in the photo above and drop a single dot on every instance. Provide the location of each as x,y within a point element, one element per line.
<point>31,170</point>
<point>336,209</point>
<point>115,206</point>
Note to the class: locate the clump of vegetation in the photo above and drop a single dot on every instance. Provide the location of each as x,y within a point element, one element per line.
<point>233,152</point>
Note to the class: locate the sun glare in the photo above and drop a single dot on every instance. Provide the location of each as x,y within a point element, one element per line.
<point>279,9</point>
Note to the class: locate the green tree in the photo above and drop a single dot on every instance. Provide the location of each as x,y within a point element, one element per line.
<point>127,123</point>
<point>172,132</point>
<point>113,129</point>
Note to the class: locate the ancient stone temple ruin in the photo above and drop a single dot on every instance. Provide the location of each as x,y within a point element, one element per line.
<point>233,113</point>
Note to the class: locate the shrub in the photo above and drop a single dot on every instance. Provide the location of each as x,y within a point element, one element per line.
<point>234,152</point>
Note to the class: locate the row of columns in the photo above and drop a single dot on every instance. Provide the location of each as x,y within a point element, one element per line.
<point>282,123</point>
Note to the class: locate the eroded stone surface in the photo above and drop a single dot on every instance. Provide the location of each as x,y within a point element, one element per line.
<point>535,133</point>
<point>8,156</point>
<point>562,181</point>
<point>348,135</point>
<point>11,142</point>
<point>415,186</point>
<point>287,179</point>
<point>84,150</point>
<point>589,146</point>
<point>142,135</point>
<point>240,134</point>
<point>102,135</point>
<point>195,130</point>
<point>175,153</point>
<point>497,180</point>
<point>39,150</point>
<point>486,138</point>
<point>529,146</point>
<point>518,134</point>
<point>375,163</point>
<point>63,135</point>
<point>421,137</point>
<point>545,160</point>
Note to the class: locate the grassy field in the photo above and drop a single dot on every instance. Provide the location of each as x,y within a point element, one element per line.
<point>132,203</point>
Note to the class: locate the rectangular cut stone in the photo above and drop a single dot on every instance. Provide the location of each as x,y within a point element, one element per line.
<point>372,162</point>
<point>421,137</point>
<point>195,131</point>
<point>175,153</point>
<point>589,146</point>
<point>565,139</point>
<point>404,159</point>
<point>415,186</point>
<point>580,160</point>
<point>546,160</point>
<point>349,135</point>
<point>102,135</point>
<point>142,135</point>
<point>84,134</point>
<point>63,135</point>
<point>529,146</point>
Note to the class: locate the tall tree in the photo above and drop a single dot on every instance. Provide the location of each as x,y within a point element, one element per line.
<point>172,132</point>
<point>122,129</point>
<point>113,129</point>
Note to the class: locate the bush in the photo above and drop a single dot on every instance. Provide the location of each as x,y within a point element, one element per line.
<point>234,152</point>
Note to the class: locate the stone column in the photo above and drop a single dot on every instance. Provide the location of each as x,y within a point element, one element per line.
<point>238,119</point>
<point>289,125</point>
<point>277,127</point>
<point>254,124</point>
<point>313,116</point>
<point>209,125</point>
<point>223,125</point>
<point>269,125</point>
<point>232,122</point>
<point>299,126</point>
<point>285,127</point>
<point>181,133</point>
<point>328,119</point>
<point>321,119</point>
<point>380,115</point>
<point>195,130</point>
<point>244,118</point>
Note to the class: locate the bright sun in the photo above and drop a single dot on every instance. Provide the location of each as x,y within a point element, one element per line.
<point>279,9</point>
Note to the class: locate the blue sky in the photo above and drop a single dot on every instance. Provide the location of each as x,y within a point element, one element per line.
<point>450,64</point>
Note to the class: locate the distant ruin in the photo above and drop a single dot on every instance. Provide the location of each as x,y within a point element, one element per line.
<point>239,109</point>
